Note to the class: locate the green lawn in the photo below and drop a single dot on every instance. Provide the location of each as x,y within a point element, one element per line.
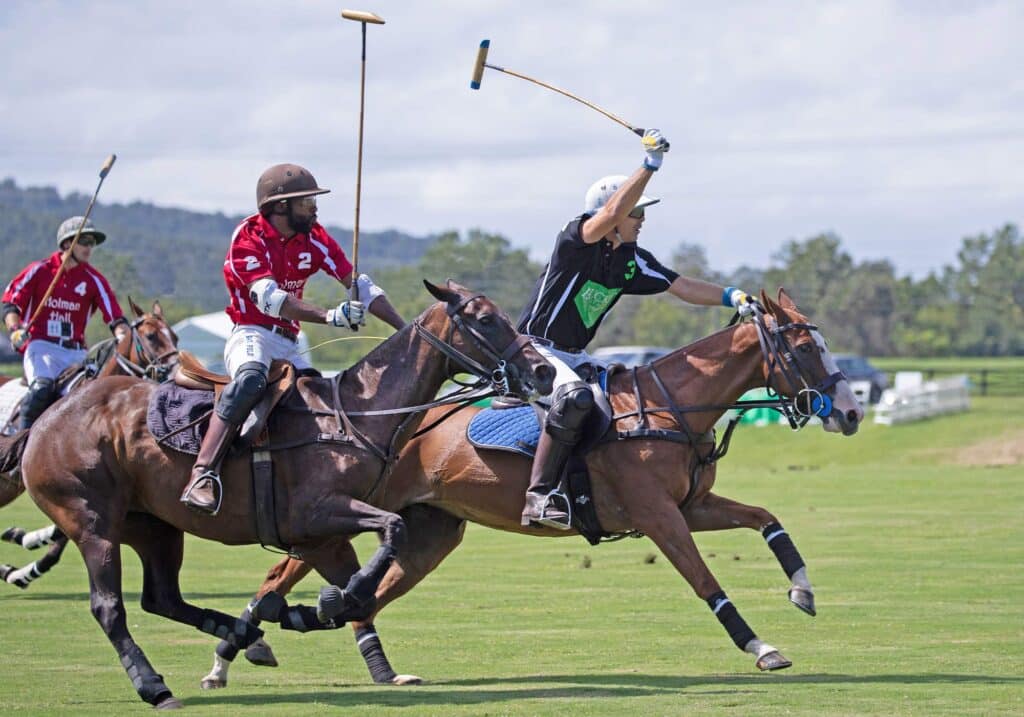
<point>916,560</point>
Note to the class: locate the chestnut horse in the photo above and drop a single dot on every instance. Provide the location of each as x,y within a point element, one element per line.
<point>645,483</point>
<point>109,482</point>
<point>148,350</point>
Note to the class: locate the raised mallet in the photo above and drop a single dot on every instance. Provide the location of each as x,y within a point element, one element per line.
<point>107,164</point>
<point>478,74</point>
<point>361,17</point>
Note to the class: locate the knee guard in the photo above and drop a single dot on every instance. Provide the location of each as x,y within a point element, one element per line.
<point>41,394</point>
<point>243,392</point>
<point>570,407</point>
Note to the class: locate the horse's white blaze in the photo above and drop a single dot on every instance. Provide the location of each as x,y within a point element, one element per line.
<point>843,399</point>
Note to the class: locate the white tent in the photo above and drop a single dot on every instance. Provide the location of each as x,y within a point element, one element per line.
<point>205,335</point>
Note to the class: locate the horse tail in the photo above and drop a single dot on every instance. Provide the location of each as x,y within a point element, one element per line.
<point>11,449</point>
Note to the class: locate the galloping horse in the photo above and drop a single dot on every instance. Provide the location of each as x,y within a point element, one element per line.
<point>148,351</point>
<point>109,482</point>
<point>656,479</point>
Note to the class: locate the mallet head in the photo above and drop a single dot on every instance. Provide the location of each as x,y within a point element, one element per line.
<point>107,165</point>
<point>478,68</point>
<point>362,16</point>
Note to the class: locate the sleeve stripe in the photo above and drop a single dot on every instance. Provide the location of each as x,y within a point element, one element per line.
<point>28,277</point>
<point>645,268</point>
<point>104,295</point>
<point>561,302</point>
<point>327,257</point>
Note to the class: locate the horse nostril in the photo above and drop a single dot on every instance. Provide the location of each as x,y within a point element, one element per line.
<point>852,417</point>
<point>544,373</point>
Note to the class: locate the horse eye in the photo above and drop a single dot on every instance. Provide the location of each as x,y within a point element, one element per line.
<point>151,336</point>
<point>806,348</point>
<point>487,319</point>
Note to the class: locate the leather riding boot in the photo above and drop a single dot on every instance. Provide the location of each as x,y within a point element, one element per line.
<point>204,491</point>
<point>548,464</point>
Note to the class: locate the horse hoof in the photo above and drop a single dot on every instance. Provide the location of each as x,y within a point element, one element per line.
<point>168,703</point>
<point>803,599</point>
<point>213,683</point>
<point>406,680</point>
<point>260,654</point>
<point>773,661</point>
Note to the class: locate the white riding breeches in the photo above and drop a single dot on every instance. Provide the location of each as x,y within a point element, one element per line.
<point>47,360</point>
<point>255,343</point>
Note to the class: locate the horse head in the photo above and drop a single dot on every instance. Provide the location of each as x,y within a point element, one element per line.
<point>478,337</point>
<point>798,365</point>
<point>150,349</point>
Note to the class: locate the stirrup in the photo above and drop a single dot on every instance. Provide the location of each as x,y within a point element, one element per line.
<point>550,522</point>
<point>218,492</point>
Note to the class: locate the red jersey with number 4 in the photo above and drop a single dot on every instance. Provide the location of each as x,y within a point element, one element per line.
<point>79,292</point>
<point>258,251</point>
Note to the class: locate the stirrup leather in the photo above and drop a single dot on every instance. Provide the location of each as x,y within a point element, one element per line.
<point>207,475</point>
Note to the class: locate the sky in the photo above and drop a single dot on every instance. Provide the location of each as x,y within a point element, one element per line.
<point>899,126</point>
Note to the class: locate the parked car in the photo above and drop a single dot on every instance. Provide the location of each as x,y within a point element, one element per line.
<point>858,368</point>
<point>629,355</point>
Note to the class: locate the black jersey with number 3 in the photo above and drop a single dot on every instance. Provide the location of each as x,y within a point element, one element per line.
<point>581,284</point>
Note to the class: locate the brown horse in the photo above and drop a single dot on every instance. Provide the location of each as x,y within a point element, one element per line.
<point>109,482</point>
<point>148,350</point>
<point>640,483</point>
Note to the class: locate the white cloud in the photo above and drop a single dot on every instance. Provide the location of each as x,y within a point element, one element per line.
<point>895,124</point>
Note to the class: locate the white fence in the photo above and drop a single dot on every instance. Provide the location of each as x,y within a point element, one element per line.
<point>912,399</point>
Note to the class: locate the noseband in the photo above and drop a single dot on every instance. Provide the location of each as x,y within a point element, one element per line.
<point>497,375</point>
<point>809,400</point>
<point>155,367</point>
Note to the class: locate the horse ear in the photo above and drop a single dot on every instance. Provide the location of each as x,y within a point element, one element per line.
<point>438,293</point>
<point>135,307</point>
<point>784,300</point>
<point>157,309</point>
<point>455,286</point>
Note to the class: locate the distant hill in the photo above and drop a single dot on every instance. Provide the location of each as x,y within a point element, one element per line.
<point>158,252</point>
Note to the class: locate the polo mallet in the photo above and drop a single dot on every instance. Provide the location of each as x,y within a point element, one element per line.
<point>362,18</point>
<point>56,277</point>
<point>478,74</point>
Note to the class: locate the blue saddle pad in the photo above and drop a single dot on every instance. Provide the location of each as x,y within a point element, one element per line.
<point>506,429</point>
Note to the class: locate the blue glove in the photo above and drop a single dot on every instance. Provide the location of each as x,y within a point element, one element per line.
<point>655,146</point>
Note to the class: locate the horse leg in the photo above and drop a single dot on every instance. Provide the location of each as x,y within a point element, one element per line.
<point>660,519</point>
<point>432,534</point>
<point>30,540</point>
<point>21,577</point>
<point>280,579</point>
<point>161,546</point>
<point>103,561</point>
<point>713,512</point>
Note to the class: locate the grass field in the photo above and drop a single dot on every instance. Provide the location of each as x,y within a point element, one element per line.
<point>915,547</point>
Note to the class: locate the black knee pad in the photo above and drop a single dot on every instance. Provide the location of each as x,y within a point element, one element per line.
<point>243,392</point>
<point>41,393</point>
<point>570,407</point>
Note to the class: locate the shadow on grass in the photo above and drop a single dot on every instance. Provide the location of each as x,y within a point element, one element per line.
<point>33,592</point>
<point>592,686</point>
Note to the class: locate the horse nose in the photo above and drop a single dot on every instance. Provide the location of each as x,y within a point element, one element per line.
<point>545,378</point>
<point>854,416</point>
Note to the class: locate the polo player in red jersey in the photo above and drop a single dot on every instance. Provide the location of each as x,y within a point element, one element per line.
<point>273,254</point>
<point>55,339</point>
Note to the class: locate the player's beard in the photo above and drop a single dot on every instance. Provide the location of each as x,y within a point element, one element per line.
<point>302,225</point>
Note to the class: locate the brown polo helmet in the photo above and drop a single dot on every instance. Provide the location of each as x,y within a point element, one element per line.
<point>285,181</point>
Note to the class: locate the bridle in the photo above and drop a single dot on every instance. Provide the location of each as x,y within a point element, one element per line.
<point>155,368</point>
<point>498,375</point>
<point>810,400</point>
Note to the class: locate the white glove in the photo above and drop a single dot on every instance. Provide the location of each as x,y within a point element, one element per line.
<point>741,301</point>
<point>19,337</point>
<point>655,146</point>
<point>349,315</point>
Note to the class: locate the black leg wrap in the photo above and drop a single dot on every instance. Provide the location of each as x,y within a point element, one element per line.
<point>373,653</point>
<point>49,560</point>
<point>302,618</point>
<point>14,534</point>
<point>730,618</point>
<point>225,650</point>
<point>362,587</point>
<point>269,607</point>
<point>778,540</point>
<point>234,631</point>
<point>145,680</point>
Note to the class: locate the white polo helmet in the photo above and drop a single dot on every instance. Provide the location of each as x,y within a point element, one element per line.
<point>69,227</point>
<point>603,189</point>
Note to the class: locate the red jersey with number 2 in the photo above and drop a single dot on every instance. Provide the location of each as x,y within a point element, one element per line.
<point>259,251</point>
<point>80,290</point>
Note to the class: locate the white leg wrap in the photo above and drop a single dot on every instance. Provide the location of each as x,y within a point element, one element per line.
<point>219,672</point>
<point>758,649</point>
<point>38,538</point>
<point>23,576</point>
<point>800,579</point>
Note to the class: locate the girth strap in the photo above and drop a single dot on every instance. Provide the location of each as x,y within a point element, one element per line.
<point>264,499</point>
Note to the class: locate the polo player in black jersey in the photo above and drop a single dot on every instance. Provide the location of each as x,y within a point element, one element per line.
<point>595,261</point>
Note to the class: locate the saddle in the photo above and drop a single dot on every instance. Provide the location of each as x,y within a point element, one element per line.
<point>191,375</point>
